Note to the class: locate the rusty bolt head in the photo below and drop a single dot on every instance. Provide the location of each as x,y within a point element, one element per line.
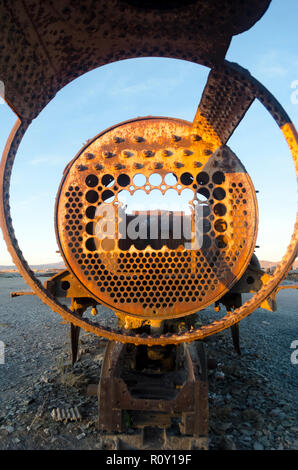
<point>118,139</point>
<point>138,166</point>
<point>119,166</point>
<point>138,138</point>
<point>107,154</point>
<point>176,138</point>
<point>99,166</point>
<point>148,153</point>
<point>196,137</point>
<point>82,167</point>
<point>158,165</point>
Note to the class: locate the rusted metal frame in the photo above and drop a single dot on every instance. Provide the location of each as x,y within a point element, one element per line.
<point>67,45</point>
<point>21,293</point>
<point>283,267</point>
<point>191,401</point>
<point>196,423</point>
<point>224,102</point>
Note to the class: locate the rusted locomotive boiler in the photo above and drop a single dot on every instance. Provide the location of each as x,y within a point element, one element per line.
<point>154,266</point>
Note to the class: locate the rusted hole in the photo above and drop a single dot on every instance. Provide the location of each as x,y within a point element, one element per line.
<point>139,179</point>
<point>107,180</point>
<point>91,181</point>
<point>186,179</point>
<point>202,178</point>
<point>221,241</point>
<point>219,194</point>
<point>220,225</point>
<point>92,196</point>
<point>218,177</point>
<point>107,196</point>
<point>91,244</point>
<point>170,179</point>
<point>123,180</point>
<point>204,194</point>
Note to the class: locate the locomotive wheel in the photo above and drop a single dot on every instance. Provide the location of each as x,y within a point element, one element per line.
<point>230,82</point>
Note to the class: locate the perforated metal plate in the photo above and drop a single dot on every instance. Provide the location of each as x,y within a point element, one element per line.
<point>160,278</point>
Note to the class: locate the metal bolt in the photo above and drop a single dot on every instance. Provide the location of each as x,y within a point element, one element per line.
<point>127,153</point>
<point>117,139</point>
<point>196,137</point>
<point>208,152</point>
<point>138,138</point>
<point>82,167</point>
<point>158,165</point>
<point>178,164</point>
<point>119,166</point>
<point>90,156</point>
<point>166,153</point>
<point>187,152</point>
<point>138,166</point>
<point>99,166</point>
<point>148,153</point>
<point>197,164</point>
<point>107,154</point>
<point>176,138</point>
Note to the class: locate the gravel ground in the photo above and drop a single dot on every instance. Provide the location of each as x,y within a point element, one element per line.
<point>252,398</point>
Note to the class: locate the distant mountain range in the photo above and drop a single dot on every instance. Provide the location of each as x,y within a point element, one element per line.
<point>60,265</point>
<point>38,267</point>
<point>271,264</point>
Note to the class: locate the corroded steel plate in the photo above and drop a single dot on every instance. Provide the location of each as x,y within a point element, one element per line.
<point>161,277</point>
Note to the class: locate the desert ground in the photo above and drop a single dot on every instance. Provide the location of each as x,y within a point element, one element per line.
<point>252,398</point>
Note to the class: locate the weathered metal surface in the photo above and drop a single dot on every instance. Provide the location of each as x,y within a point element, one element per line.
<point>152,278</point>
<point>190,402</point>
<point>45,45</point>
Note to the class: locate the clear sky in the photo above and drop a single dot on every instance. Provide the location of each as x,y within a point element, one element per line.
<point>161,87</point>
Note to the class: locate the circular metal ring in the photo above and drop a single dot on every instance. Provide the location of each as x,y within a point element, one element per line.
<point>228,320</point>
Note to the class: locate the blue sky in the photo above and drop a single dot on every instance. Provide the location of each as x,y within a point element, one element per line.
<point>161,87</point>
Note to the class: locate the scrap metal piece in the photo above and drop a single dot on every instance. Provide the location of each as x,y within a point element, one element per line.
<point>157,402</point>
<point>66,414</point>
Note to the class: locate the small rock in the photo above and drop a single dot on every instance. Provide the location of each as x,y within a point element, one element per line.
<point>219,375</point>
<point>224,426</point>
<point>8,429</point>
<point>16,440</point>
<point>227,443</point>
<point>258,446</point>
<point>29,401</point>
<point>81,436</point>
<point>99,445</point>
